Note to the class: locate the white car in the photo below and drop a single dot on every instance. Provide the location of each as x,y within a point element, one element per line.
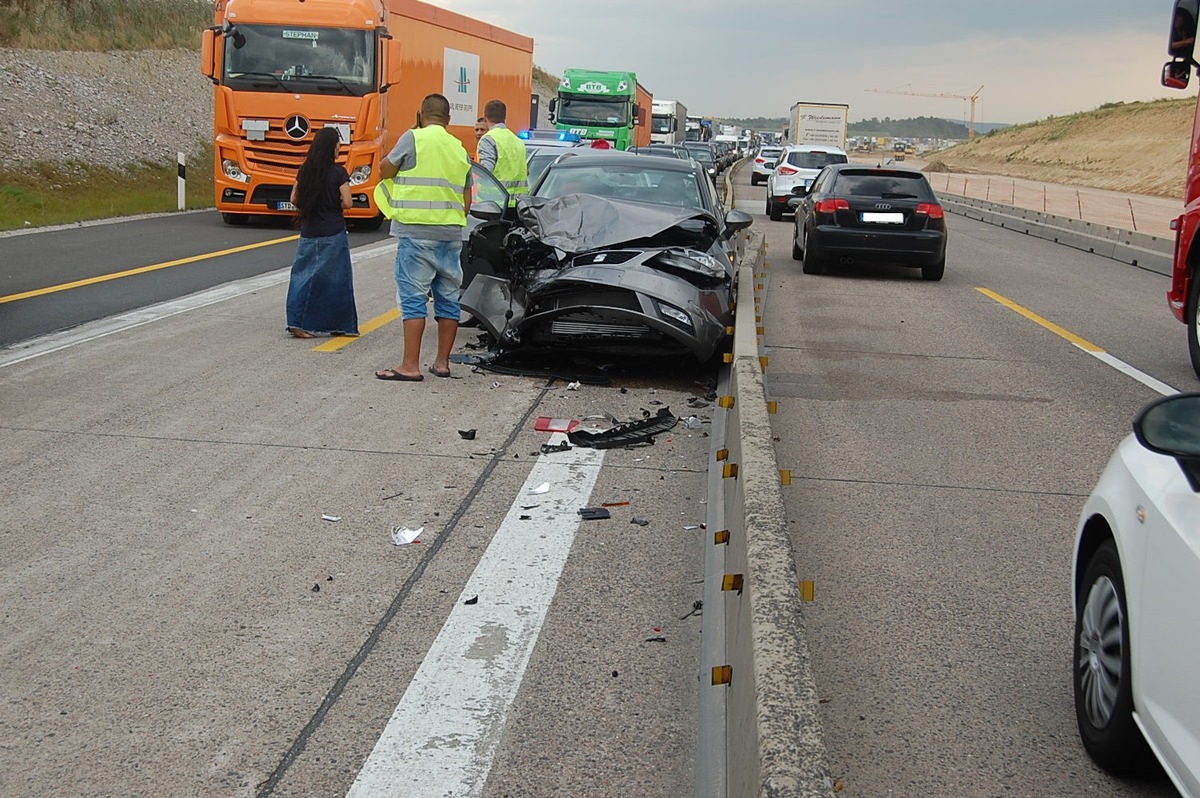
<point>764,163</point>
<point>794,172</point>
<point>1136,586</point>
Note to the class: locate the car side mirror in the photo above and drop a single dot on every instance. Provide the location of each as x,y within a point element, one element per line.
<point>1176,74</point>
<point>1171,426</point>
<point>487,210</point>
<point>736,221</point>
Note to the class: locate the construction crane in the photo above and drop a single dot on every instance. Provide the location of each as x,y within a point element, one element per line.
<point>969,97</point>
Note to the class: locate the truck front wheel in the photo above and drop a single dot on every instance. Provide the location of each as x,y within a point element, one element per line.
<point>1193,322</point>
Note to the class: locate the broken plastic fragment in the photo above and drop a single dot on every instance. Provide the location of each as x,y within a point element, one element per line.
<point>332,518</point>
<point>572,386</point>
<point>402,534</point>
<point>561,446</point>
<point>632,433</point>
<point>691,422</point>
<point>593,513</point>
<point>548,424</point>
<point>614,504</point>
<point>543,488</point>
<point>690,527</point>
<point>639,521</point>
<point>467,434</point>
<point>472,600</point>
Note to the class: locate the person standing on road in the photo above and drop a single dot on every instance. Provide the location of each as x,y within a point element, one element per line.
<point>321,289</point>
<point>481,127</point>
<point>502,153</point>
<point>426,193</point>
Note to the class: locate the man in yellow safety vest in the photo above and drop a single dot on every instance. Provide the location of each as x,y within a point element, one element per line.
<point>426,192</point>
<point>502,153</point>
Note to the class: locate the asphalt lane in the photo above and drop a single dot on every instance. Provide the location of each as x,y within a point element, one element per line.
<point>941,447</point>
<point>179,619</point>
<point>192,252</point>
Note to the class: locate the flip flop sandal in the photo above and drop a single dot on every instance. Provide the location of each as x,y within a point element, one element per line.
<point>392,374</point>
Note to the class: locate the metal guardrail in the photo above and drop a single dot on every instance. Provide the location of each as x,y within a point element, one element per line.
<point>772,746</point>
<point>1153,253</point>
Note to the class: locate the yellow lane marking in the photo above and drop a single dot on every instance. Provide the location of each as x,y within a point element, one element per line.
<point>53,289</point>
<point>1082,343</point>
<point>336,343</point>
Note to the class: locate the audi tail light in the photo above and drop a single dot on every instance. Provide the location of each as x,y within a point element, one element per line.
<point>833,205</point>
<point>930,209</point>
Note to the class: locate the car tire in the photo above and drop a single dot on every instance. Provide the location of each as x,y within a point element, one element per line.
<point>797,251</point>
<point>775,211</point>
<point>754,180</point>
<point>1102,677</point>
<point>236,219</point>
<point>1193,320</point>
<point>934,271</point>
<point>368,225</point>
<point>812,264</point>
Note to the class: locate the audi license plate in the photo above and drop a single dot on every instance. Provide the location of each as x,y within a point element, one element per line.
<point>284,206</point>
<point>883,218</point>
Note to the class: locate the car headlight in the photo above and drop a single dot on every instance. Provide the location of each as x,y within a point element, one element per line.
<point>360,175</point>
<point>675,314</point>
<point>692,260</point>
<point>233,171</point>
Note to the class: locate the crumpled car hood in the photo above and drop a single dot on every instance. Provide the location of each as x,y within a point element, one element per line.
<point>577,223</point>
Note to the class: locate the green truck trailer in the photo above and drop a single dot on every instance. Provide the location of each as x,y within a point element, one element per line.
<point>611,106</point>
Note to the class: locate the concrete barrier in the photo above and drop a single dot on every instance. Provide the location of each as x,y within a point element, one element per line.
<point>773,742</point>
<point>1153,253</point>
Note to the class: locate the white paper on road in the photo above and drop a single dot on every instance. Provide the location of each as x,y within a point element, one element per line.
<point>443,736</point>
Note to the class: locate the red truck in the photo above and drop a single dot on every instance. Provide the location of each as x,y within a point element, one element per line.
<point>1184,295</point>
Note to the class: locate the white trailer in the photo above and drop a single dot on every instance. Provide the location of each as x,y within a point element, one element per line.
<point>668,123</point>
<point>819,123</point>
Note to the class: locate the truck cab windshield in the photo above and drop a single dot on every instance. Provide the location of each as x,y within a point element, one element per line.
<point>288,58</point>
<point>593,111</point>
<point>661,124</point>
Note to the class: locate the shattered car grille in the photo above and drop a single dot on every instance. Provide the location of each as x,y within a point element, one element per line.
<point>581,325</point>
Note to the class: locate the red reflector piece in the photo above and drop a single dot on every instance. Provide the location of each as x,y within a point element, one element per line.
<point>931,209</point>
<point>832,205</point>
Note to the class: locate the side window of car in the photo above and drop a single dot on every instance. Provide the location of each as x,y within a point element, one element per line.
<point>821,181</point>
<point>487,187</point>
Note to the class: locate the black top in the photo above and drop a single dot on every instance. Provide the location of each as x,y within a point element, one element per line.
<point>326,218</point>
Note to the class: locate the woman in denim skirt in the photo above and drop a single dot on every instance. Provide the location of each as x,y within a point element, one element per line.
<point>321,292</point>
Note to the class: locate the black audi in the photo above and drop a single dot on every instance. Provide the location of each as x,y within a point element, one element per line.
<point>854,213</point>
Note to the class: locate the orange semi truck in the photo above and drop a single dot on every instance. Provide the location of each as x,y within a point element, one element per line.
<point>283,69</point>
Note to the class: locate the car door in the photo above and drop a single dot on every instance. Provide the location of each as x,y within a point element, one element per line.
<point>1166,642</point>
<point>483,253</point>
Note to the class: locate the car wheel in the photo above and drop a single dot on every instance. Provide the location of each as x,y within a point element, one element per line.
<point>1193,321</point>
<point>374,223</point>
<point>1102,680</point>
<point>768,210</point>
<point>775,211</point>
<point>935,271</point>
<point>797,252</point>
<point>235,218</point>
<point>754,180</point>
<point>812,264</point>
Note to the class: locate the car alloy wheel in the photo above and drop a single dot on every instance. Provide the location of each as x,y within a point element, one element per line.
<point>1103,679</point>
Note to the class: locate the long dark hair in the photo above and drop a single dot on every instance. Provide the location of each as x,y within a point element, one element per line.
<point>310,180</point>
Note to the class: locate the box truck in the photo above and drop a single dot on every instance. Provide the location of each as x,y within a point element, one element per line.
<point>283,70</point>
<point>668,122</point>
<point>819,123</point>
<point>603,105</point>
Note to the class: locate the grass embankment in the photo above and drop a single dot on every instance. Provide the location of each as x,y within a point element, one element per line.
<point>48,194</point>
<point>102,25</point>
<point>1138,148</point>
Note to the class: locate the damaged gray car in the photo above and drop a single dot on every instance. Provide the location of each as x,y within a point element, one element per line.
<point>616,254</point>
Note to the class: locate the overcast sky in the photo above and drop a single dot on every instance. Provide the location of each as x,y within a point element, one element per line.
<point>1034,58</point>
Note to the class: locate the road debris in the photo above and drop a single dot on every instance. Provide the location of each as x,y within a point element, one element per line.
<point>402,535</point>
<point>593,513</point>
<point>467,434</point>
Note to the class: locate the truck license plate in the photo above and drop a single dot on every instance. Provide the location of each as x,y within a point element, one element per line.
<point>284,206</point>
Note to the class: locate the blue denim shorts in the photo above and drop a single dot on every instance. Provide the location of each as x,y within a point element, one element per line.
<point>424,266</point>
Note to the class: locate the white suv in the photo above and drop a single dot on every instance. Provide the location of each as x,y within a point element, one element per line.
<point>764,162</point>
<point>793,174</point>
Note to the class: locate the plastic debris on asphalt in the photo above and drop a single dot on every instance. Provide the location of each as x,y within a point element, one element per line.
<point>467,434</point>
<point>402,535</point>
<point>593,513</point>
<point>639,521</point>
<point>548,424</point>
<point>331,518</point>
<point>543,488</point>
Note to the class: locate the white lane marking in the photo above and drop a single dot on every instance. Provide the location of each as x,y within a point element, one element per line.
<point>443,736</point>
<point>55,342</point>
<point>1137,374</point>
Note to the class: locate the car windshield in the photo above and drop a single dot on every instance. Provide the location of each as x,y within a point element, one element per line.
<point>289,58</point>
<point>770,153</point>
<point>641,182</point>
<point>701,154</point>
<point>589,111</point>
<point>815,159</point>
<point>661,124</point>
<point>876,184</point>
